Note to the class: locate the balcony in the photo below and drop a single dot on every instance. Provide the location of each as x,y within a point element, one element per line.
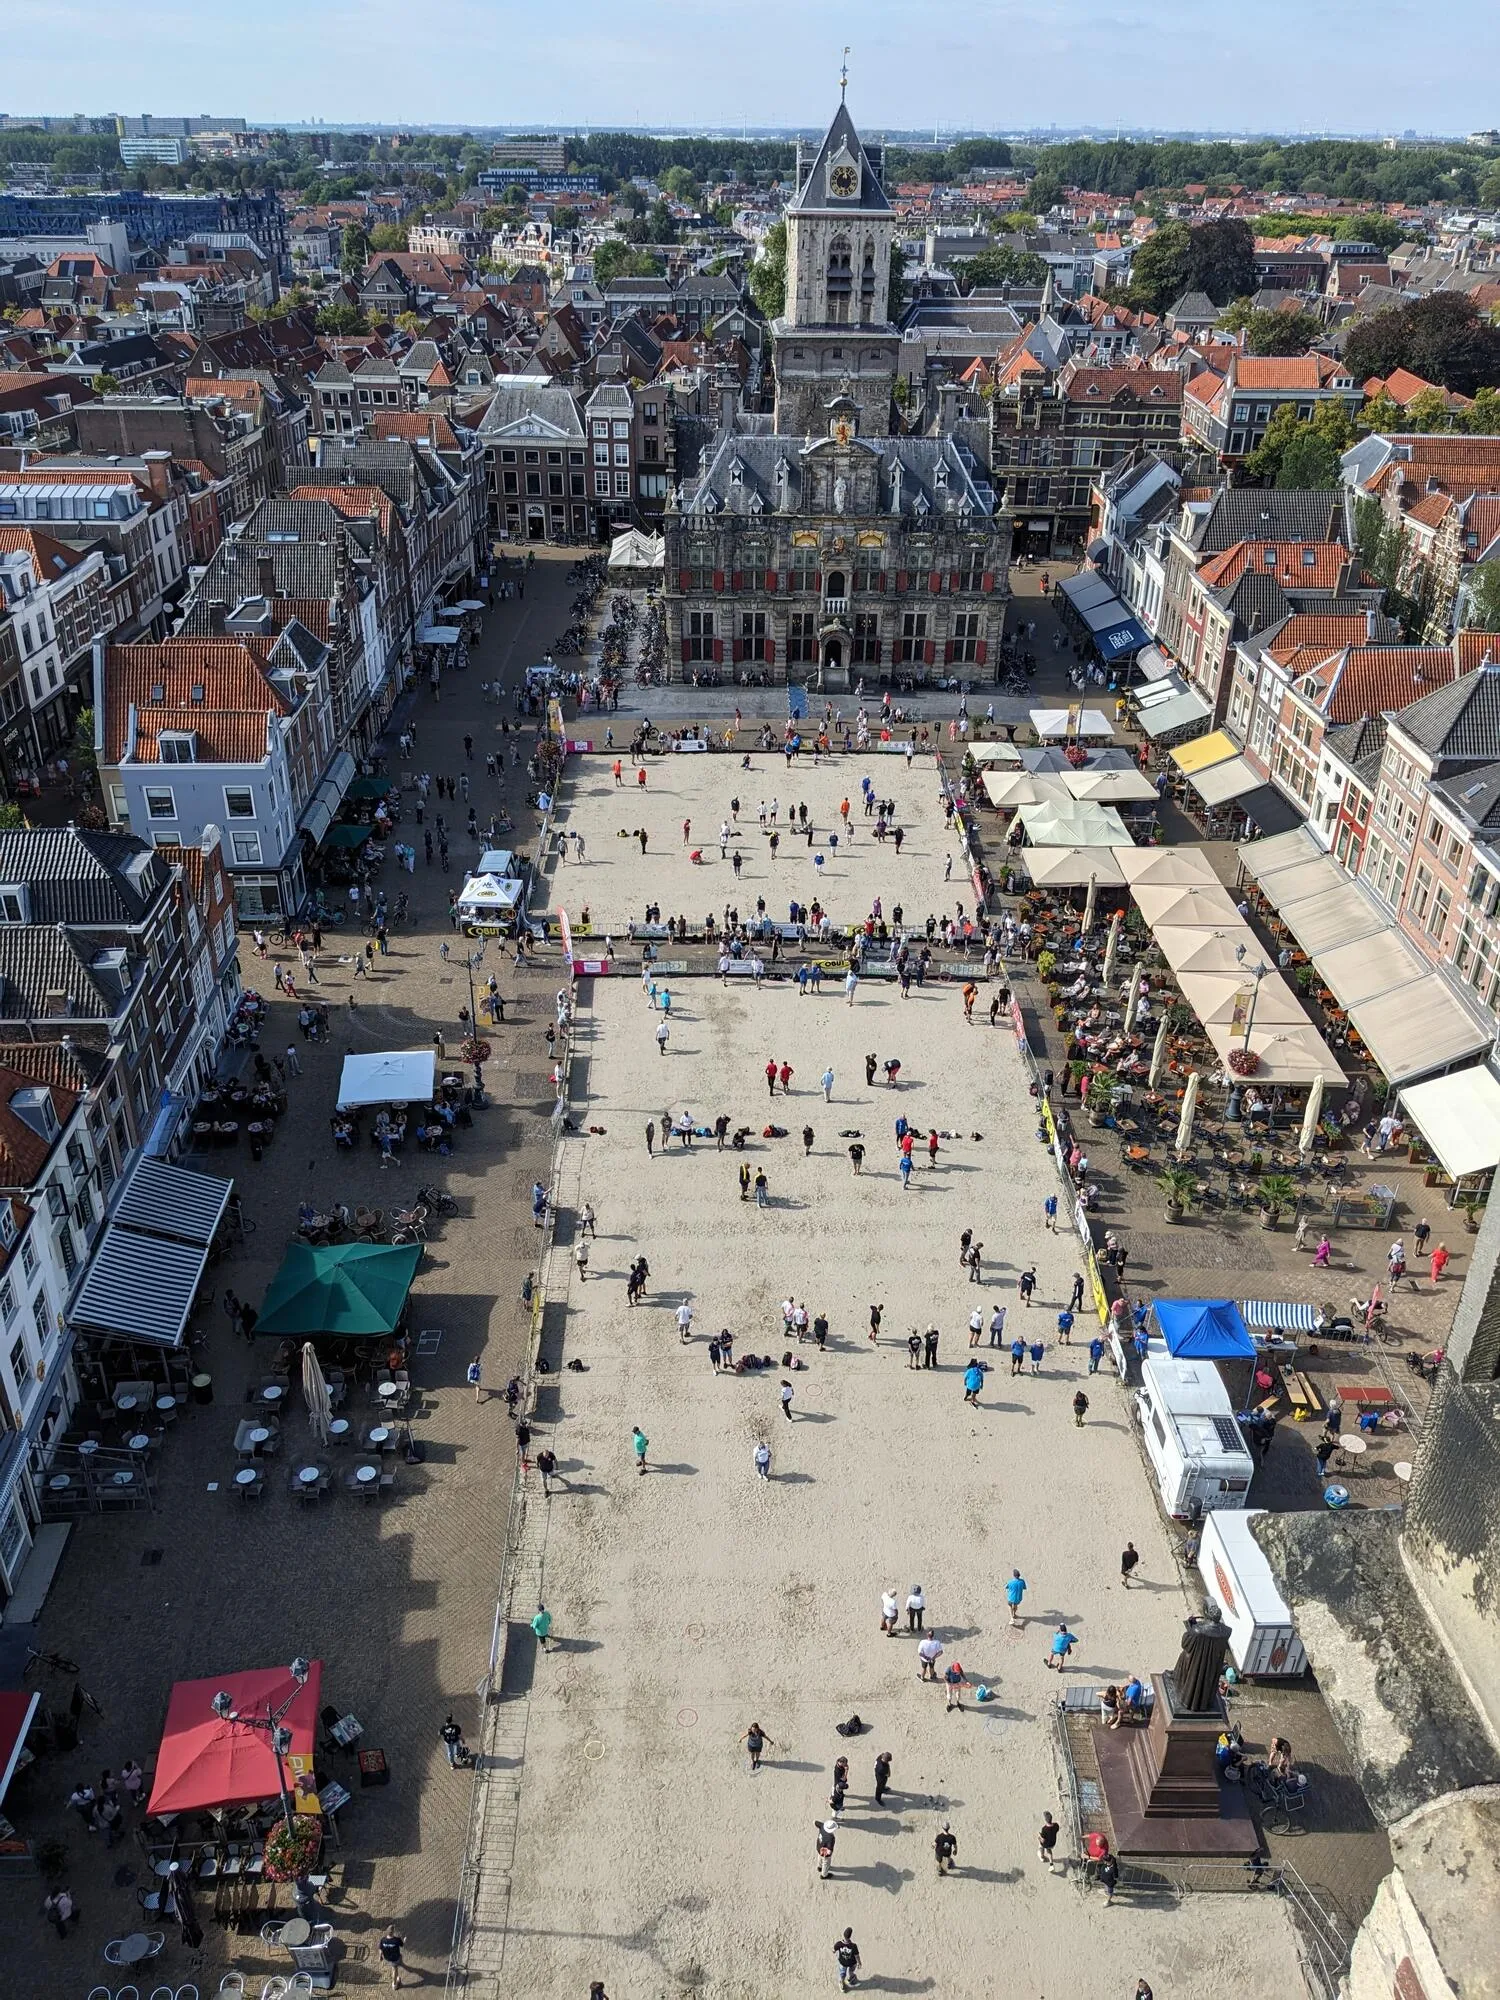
<point>835,607</point>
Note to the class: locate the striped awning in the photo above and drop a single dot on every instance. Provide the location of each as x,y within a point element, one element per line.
<point>140,1287</point>
<point>172,1201</point>
<point>1289,1315</point>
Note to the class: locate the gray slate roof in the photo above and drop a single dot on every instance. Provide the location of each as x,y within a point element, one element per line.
<point>527,406</point>
<point>814,193</point>
<point>1460,721</point>
<point>40,959</point>
<point>1292,516</point>
<point>749,475</point>
<point>77,877</point>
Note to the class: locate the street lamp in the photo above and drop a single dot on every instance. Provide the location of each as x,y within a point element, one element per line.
<point>273,1724</point>
<point>1260,971</point>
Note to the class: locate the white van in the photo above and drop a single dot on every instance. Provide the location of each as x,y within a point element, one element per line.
<point>1262,1639</point>
<point>1196,1448</point>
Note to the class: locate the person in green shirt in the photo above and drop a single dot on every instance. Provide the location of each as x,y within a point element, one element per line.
<point>638,1443</point>
<point>541,1625</point>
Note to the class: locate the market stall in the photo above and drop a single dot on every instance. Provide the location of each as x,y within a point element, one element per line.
<point>207,1761</point>
<point>393,1076</point>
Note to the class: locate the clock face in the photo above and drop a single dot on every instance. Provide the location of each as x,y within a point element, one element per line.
<point>844,180</point>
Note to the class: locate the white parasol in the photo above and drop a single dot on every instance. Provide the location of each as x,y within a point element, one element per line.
<point>1111,948</point>
<point>315,1392</point>
<point>1185,1122</point>
<point>1310,1118</point>
<point>1088,904</point>
<point>1158,1055</point>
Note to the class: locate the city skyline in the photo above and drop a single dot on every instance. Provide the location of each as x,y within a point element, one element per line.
<point>1145,70</point>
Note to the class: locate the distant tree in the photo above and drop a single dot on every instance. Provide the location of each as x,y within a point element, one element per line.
<point>768,273</point>
<point>341,318</point>
<point>409,322</point>
<point>82,752</point>
<point>12,819</point>
<point>1215,257</point>
<point>618,260</point>
<point>999,266</point>
<point>632,198</point>
<point>565,217</point>
<point>388,236</point>
<point>1045,192</point>
<point>1020,219</point>
<point>679,182</point>
<point>723,214</point>
<point>1278,331</point>
<point>1443,338</point>
<point>1384,231</point>
<point>1295,454</point>
<point>1158,274</point>
<point>661,223</point>
<point>1308,462</point>
<point>895,290</point>
<point>103,383</point>
<point>1483,415</point>
<point>354,250</point>
<point>1482,611</point>
<point>1381,415</point>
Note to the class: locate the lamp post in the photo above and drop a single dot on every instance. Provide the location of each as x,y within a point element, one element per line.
<point>273,1724</point>
<point>1260,971</point>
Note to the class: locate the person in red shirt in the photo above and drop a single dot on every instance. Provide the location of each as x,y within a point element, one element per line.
<point>771,1076</point>
<point>785,1073</point>
<point>932,1149</point>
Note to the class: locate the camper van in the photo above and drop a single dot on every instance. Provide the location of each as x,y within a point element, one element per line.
<point>1263,1641</point>
<point>1196,1448</point>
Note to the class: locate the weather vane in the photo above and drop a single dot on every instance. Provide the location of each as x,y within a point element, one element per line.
<point>844,75</point>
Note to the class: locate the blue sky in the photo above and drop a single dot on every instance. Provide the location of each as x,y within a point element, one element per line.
<point>1384,65</point>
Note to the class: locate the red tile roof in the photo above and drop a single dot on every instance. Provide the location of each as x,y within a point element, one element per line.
<point>1291,371</point>
<point>1379,677</point>
<point>355,503</point>
<point>420,426</point>
<point>52,557</point>
<point>230,719</point>
<point>1113,385</point>
<point>24,1153</point>
<point>1289,564</point>
<point>1317,634</point>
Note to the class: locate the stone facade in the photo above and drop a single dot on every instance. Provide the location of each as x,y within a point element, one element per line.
<point>825,548</point>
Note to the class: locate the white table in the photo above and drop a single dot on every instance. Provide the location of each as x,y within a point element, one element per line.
<point>339,1427</point>
<point>1355,1446</point>
<point>259,1435</point>
<point>167,1403</point>
<point>272,1393</point>
<point>366,1473</point>
<point>247,1476</point>
<point>309,1475</point>
<point>1402,1471</point>
<point>124,1479</point>
<point>59,1482</point>
<point>88,1447</point>
<point>379,1434</point>
<point>389,1391</point>
<point>123,1403</point>
<point>137,1443</point>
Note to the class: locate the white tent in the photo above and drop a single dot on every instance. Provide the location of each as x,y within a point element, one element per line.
<point>1181,865</point>
<point>994,752</point>
<point>395,1076</point>
<point>1073,823</point>
<point>1204,904</point>
<point>1071,867</point>
<point>1111,788</point>
<point>1187,948</point>
<point>633,550</point>
<point>1058,722</point>
<point>1459,1117</point>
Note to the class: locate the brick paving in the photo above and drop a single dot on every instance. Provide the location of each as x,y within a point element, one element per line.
<point>397,1601</point>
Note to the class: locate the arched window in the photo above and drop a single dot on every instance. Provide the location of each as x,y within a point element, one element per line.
<point>840,278</point>
<point>867,282</point>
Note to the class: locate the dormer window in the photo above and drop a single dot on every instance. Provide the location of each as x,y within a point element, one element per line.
<point>33,1106</point>
<point>15,903</point>
<point>7,1226</point>
<point>158,692</point>
<point>178,746</point>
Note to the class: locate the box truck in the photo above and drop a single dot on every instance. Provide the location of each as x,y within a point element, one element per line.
<point>1263,1641</point>
<point>1196,1448</point>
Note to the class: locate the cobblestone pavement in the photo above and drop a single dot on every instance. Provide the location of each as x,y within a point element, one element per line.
<point>398,1602</point>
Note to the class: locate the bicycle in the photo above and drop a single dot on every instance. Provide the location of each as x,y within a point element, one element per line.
<point>54,1662</point>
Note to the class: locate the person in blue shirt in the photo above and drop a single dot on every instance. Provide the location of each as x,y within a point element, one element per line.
<point>1064,1326</point>
<point>1063,1643</point>
<point>1133,1694</point>
<point>1096,1354</point>
<point>973,1383</point>
<point>1138,1315</point>
<point>1037,1351</point>
<point>1049,1209</point>
<point>1015,1590</point>
<point>1017,1355</point>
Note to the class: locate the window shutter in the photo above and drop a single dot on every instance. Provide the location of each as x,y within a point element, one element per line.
<point>928,652</point>
<point>901,579</point>
<point>987,581</point>
<point>982,651</point>
<point>817,582</point>
<point>935,581</point>
<point>770,652</point>
<point>947,652</point>
<point>734,649</point>
<point>736,583</point>
<point>718,650</point>
<point>953,579</point>
<point>686,652</point>
<point>880,579</point>
<point>770,579</point>
<point>718,581</point>
<point>684,580</point>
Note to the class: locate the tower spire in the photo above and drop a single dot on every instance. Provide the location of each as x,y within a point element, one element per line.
<point>844,75</point>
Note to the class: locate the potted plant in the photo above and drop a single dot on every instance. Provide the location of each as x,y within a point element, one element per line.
<point>291,1851</point>
<point>1471,1206</point>
<point>1276,1193</point>
<point>1046,965</point>
<point>1179,1187</point>
<point>1100,1100</point>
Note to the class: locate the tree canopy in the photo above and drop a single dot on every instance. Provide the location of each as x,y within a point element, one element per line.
<point>1299,455</point>
<point>1283,330</point>
<point>1213,257</point>
<point>768,273</point>
<point>1483,592</point>
<point>1443,338</point>
<point>999,266</point>
<point>619,260</point>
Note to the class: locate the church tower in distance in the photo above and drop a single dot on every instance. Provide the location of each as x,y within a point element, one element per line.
<point>835,338</point>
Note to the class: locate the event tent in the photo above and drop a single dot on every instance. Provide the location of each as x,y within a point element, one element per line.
<point>393,1076</point>
<point>351,1290</point>
<point>1204,1330</point>
<point>995,751</point>
<point>1459,1117</point>
<point>634,550</point>
<point>1073,823</point>
<point>206,1762</point>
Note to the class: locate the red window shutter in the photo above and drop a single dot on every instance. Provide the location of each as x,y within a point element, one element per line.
<point>900,579</point>
<point>736,583</point>
<point>684,580</point>
<point>987,581</point>
<point>947,652</point>
<point>770,579</point>
<point>880,579</point>
<point>718,650</point>
<point>928,652</point>
<point>982,651</point>
<point>935,581</point>
<point>817,579</point>
<point>686,651</point>
<point>734,649</point>
<point>770,652</point>
<point>953,579</point>
<point>718,580</point>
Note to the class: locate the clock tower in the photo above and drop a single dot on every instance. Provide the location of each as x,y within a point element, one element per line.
<point>834,337</point>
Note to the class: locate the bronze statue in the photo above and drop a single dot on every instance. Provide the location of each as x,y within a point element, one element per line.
<point>1195,1678</point>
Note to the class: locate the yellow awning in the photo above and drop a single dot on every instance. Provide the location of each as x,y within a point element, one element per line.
<point>1203,751</point>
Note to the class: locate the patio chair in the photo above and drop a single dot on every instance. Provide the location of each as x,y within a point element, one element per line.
<point>232,1982</point>
<point>188,1992</point>
<point>161,1993</point>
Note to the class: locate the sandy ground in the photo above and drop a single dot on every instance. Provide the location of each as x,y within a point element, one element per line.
<point>701,788</point>
<point>698,1598</point>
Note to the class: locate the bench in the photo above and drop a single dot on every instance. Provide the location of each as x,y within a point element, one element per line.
<point>1365,1396</point>
<point>1305,1400</point>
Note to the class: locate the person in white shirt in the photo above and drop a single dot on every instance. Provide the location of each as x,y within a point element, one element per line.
<point>685,1320</point>
<point>889,1613</point>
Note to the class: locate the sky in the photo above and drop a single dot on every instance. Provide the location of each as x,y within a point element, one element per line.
<point>1280,65</point>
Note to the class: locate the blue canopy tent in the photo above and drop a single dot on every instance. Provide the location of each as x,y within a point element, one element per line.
<point>1204,1330</point>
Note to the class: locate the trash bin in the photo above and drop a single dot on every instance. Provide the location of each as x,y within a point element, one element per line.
<point>203,1388</point>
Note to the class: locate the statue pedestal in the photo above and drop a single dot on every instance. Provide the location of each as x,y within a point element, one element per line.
<point>1163,1792</point>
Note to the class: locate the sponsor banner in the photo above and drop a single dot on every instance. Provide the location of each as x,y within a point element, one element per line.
<point>567,935</point>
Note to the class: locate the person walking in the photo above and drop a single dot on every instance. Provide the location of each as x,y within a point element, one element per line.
<point>663,1036</point>
<point>638,1444</point>
<point>757,1743</point>
<point>973,1383</point>
<point>1096,1354</point>
<point>824,1833</point>
<point>997,1327</point>
<point>1062,1644</point>
<point>846,1952</point>
<point>1107,1875</point>
<point>1049,1211</point>
<point>953,1679</point>
<point>976,1326</point>
<point>453,1743</point>
<point>851,983</point>
<point>929,1652</point>
<point>1129,1557</point>
<point>1046,1842</point>
<point>916,1608</point>
<point>763,1460</point>
<point>882,1776</point>
<point>904,1167</point>
<point>59,1908</point>
<point>827,1082</point>
<point>650,1134</point>
<point>541,1625</point>
<point>390,1952</point>
<point>786,1400</point>
<point>889,1615</point>
<point>1015,1590</point>
<point>546,1465</point>
<point>475,1380</point>
<point>762,1188</point>
<point>945,1848</point>
<point>807,1142</point>
<point>1017,1356</point>
<point>293,1060</point>
<point>1080,1408</point>
<point>930,1347</point>
<point>1026,1284</point>
<point>1075,1297</point>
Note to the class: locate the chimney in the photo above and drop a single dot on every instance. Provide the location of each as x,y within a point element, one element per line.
<point>1369,625</point>
<point>158,466</point>
<point>265,570</point>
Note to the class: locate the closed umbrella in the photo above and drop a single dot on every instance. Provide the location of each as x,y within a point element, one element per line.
<point>315,1392</point>
<point>1111,947</point>
<point>1132,997</point>
<point>1158,1055</point>
<point>1310,1117</point>
<point>1088,904</point>
<point>1185,1122</point>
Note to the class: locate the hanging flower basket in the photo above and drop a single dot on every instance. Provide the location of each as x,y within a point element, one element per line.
<point>474,1052</point>
<point>1244,1062</point>
<point>291,1853</point>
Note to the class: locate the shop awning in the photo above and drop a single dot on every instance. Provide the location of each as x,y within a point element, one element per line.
<point>144,1274</point>
<point>1071,722</point>
<point>439,635</point>
<point>394,1076</point>
<point>352,1291</point>
<point>1287,1315</point>
<point>317,814</point>
<point>1072,867</point>
<point>369,788</point>
<point>1153,664</point>
<point>1208,905</point>
<point>1203,1330</point>
<point>1269,809</point>
<point>1369,967</point>
<point>1219,783</point>
<point>1312,877</point>
<point>1181,711</point>
<point>1416,1029</point>
<point>1215,748</point>
<point>1337,916</point>
<point>1087,591</point>
<point>1263,858</point>
<point>1459,1117</point>
<point>346,836</point>
<point>204,1762</point>
<point>17,1710</point>
<point>1167,865</point>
